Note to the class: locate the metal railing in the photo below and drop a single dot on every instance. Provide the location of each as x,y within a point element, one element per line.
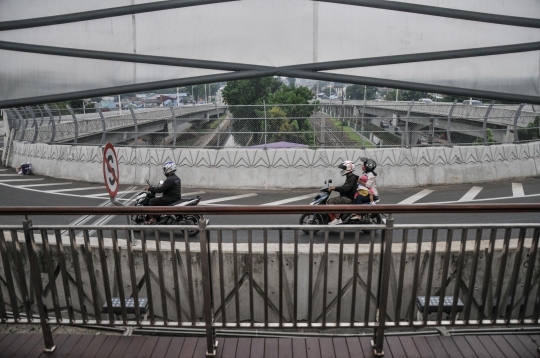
<point>351,124</point>
<point>270,277</point>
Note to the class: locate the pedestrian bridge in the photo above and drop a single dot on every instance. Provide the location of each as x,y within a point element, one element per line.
<point>445,275</point>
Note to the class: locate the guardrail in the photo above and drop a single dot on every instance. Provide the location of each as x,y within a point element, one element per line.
<point>351,124</point>
<point>270,277</point>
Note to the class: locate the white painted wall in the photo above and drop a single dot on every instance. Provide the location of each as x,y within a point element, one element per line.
<point>285,168</point>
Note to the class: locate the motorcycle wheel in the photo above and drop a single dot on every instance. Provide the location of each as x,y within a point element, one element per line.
<point>375,219</point>
<point>192,220</point>
<point>311,219</point>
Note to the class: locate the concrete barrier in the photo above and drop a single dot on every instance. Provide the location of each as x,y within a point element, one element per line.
<point>285,168</point>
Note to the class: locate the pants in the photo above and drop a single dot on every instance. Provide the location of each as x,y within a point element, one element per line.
<point>339,200</point>
<point>362,199</point>
<point>161,201</point>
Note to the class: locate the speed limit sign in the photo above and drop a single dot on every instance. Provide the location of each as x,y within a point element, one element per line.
<point>110,170</point>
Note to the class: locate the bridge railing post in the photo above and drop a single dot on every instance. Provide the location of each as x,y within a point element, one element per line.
<point>211,342</point>
<point>383,287</point>
<point>38,289</point>
<point>135,124</point>
<point>75,123</point>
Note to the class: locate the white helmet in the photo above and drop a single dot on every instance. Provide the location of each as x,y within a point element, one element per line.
<point>169,167</point>
<point>346,167</point>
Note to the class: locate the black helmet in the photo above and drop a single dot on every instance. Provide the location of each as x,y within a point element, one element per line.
<point>369,165</point>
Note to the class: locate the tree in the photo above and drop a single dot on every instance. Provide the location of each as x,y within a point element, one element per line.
<point>489,135</point>
<point>357,92</point>
<point>76,103</point>
<point>405,95</point>
<point>247,92</point>
<point>531,132</point>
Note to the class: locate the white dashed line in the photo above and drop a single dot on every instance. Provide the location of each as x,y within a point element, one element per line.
<point>193,194</point>
<point>471,194</point>
<point>416,197</point>
<point>9,175</point>
<point>74,189</point>
<point>517,189</point>
<point>18,180</point>
<point>34,185</point>
<point>227,198</point>
<point>285,201</point>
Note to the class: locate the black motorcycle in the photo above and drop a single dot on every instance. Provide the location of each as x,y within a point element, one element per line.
<point>324,219</point>
<point>168,219</point>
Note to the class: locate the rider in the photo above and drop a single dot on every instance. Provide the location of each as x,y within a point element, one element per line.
<point>346,191</point>
<point>171,189</point>
<point>368,169</point>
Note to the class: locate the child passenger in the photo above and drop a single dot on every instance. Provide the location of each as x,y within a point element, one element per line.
<point>364,194</point>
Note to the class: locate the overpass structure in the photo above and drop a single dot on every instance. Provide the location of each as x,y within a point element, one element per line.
<point>72,50</point>
<point>442,120</point>
<point>46,125</point>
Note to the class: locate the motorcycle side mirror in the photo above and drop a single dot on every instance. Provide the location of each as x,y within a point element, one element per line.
<point>330,181</point>
<point>325,182</point>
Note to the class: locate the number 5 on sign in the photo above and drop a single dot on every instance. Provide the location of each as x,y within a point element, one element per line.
<point>110,170</point>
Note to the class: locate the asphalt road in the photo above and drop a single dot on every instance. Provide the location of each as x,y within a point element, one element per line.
<point>36,190</point>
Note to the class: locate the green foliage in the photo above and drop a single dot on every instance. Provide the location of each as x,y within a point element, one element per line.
<point>247,92</point>
<point>489,134</point>
<point>405,95</point>
<point>76,103</point>
<point>357,92</point>
<point>531,132</point>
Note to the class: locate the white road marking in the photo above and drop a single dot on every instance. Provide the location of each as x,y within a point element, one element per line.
<point>471,194</point>
<point>290,200</point>
<point>18,180</point>
<point>193,194</point>
<point>3,170</point>
<point>227,198</point>
<point>10,175</point>
<point>517,189</point>
<point>416,197</point>
<point>488,199</point>
<point>73,189</point>
<point>23,187</point>
<point>49,184</point>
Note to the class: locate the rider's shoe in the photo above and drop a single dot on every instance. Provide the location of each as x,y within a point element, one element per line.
<point>336,221</point>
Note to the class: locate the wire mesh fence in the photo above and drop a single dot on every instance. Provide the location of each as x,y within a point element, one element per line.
<point>350,124</point>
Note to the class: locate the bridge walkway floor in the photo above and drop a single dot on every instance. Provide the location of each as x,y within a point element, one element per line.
<point>77,345</point>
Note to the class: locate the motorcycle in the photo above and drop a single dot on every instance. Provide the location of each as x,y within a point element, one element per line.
<point>348,219</point>
<point>168,219</point>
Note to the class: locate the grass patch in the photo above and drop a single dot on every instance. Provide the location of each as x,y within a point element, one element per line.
<point>353,135</point>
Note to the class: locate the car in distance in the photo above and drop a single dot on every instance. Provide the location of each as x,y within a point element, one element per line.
<point>425,100</point>
<point>472,102</point>
<point>384,124</point>
<point>398,131</point>
<point>422,142</point>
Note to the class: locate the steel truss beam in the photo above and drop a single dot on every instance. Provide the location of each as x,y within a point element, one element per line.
<point>103,13</point>
<point>246,71</point>
<point>442,12</point>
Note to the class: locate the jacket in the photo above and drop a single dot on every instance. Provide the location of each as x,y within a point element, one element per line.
<point>171,187</point>
<point>348,189</point>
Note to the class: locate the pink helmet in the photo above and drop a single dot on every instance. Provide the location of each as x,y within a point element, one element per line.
<point>364,178</point>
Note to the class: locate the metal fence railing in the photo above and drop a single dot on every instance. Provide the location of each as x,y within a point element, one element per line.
<point>351,124</point>
<point>270,277</point>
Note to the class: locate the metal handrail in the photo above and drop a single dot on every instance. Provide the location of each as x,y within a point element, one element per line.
<point>270,276</point>
<point>273,209</point>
